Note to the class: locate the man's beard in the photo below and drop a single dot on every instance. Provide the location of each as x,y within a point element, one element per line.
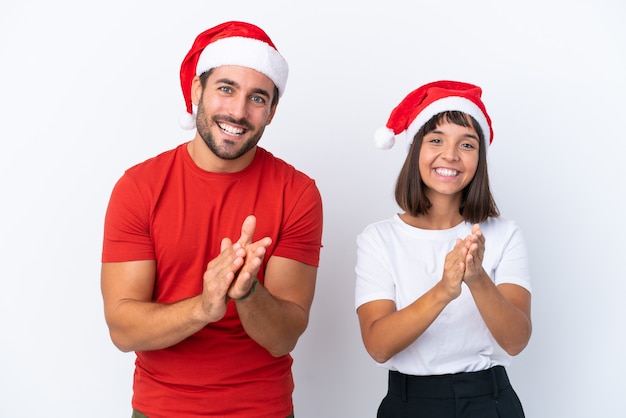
<point>226,152</point>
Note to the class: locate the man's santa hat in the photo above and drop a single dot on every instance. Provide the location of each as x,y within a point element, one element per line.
<point>230,43</point>
<point>419,106</point>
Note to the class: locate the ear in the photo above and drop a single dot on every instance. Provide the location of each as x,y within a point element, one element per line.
<point>196,90</point>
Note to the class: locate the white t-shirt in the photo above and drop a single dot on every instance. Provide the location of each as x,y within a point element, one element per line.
<point>399,262</point>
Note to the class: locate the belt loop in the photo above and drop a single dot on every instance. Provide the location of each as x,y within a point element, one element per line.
<point>494,378</point>
<point>405,396</point>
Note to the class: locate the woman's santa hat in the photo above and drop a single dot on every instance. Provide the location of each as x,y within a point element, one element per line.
<point>419,106</point>
<point>230,43</point>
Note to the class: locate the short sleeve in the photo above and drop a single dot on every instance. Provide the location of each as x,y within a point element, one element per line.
<point>127,224</point>
<point>373,273</point>
<point>514,264</point>
<point>301,235</point>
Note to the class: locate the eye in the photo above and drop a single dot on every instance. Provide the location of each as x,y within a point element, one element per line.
<point>435,141</point>
<point>226,89</point>
<point>468,145</point>
<point>258,99</point>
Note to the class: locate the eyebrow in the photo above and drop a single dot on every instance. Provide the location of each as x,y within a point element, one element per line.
<point>234,84</point>
<point>437,131</point>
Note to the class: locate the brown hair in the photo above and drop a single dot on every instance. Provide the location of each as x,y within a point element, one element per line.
<point>477,202</point>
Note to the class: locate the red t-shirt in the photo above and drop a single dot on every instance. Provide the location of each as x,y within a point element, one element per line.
<point>169,210</point>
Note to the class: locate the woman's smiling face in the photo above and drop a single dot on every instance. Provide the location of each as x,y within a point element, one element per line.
<point>448,158</point>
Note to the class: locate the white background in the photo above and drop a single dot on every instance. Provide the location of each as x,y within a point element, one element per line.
<point>88,89</point>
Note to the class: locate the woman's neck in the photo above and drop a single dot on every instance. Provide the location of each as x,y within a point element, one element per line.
<point>443,214</point>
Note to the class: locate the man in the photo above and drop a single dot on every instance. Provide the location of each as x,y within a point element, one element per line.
<point>211,249</point>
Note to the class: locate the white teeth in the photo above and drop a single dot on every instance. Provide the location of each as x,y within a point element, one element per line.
<point>230,130</point>
<point>446,172</point>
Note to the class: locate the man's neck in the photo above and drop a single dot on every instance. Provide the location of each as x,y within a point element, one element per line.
<point>204,158</point>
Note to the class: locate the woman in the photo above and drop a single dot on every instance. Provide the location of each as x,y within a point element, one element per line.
<point>443,289</point>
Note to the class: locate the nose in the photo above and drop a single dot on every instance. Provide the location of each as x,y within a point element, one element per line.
<point>450,152</point>
<point>238,107</point>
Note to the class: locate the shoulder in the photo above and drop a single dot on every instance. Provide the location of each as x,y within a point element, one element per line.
<point>145,178</point>
<point>500,225</point>
<point>152,173</point>
<point>155,163</point>
<point>284,179</point>
<point>379,229</point>
<point>279,167</point>
<point>503,231</point>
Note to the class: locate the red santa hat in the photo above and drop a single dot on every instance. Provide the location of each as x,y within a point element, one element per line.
<point>231,43</point>
<point>419,106</point>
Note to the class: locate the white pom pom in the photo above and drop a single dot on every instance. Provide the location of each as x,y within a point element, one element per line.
<point>187,121</point>
<point>384,138</point>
